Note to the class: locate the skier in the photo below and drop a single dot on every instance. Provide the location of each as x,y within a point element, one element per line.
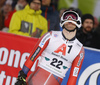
<point>58,51</point>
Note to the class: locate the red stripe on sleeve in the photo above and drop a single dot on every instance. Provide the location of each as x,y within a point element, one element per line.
<point>29,63</point>
<point>76,66</point>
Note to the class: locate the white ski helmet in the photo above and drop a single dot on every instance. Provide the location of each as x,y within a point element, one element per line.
<point>76,19</point>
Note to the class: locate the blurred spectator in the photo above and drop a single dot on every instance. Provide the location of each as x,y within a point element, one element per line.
<point>51,14</point>
<point>20,4</point>
<point>6,9</point>
<point>29,22</point>
<point>86,35</point>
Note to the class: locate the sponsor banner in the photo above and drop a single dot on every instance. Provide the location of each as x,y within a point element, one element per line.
<point>14,50</point>
<point>90,70</point>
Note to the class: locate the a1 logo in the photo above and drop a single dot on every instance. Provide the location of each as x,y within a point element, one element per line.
<point>62,49</point>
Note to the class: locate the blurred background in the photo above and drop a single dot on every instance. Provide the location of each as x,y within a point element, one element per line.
<point>85,6</point>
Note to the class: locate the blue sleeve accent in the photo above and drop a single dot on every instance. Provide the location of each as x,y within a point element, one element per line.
<point>61,28</point>
<point>25,69</point>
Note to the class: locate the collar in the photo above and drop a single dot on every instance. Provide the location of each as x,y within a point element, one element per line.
<point>68,39</point>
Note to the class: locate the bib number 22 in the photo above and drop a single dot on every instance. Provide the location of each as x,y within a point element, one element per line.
<point>56,63</point>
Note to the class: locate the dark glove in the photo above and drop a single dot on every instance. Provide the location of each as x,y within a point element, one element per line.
<point>21,80</point>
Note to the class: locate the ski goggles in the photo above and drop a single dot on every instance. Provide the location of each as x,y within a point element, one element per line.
<point>72,15</point>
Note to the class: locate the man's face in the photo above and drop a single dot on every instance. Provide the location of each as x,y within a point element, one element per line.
<point>46,2</point>
<point>87,25</point>
<point>35,4</point>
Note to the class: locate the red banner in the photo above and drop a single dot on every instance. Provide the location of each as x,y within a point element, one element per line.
<point>14,50</point>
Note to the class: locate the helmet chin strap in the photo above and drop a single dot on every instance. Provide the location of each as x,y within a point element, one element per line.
<point>70,30</point>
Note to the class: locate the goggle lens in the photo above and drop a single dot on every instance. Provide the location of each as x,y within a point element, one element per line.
<point>71,15</point>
